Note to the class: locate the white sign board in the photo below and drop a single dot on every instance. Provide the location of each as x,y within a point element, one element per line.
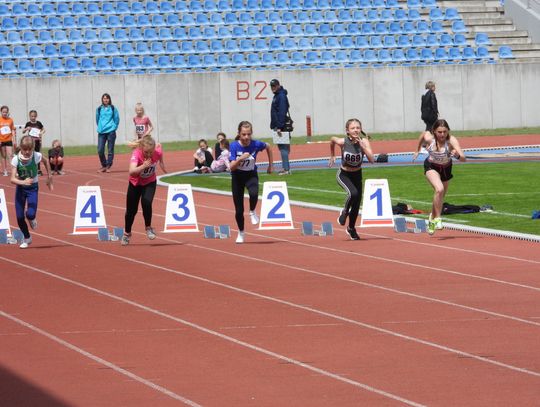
<point>4,217</point>
<point>276,208</point>
<point>89,213</point>
<point>180,215</point>
<point>376,204</point>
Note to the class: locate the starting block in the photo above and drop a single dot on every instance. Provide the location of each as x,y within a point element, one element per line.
<point>105,236</point>
<point>400,226</point>
<point>3,236</point>
<point>327,229</point>
<point>217,232</point>
<point>16,237</point>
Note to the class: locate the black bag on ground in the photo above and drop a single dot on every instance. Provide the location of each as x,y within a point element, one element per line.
<point>289,123</point>
<point>382,158</point>
<point>449,209</point>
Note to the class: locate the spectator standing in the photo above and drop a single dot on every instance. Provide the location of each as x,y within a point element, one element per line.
<point>8,140</point>
<point>278,116</point>
<point>107,120</point>
<point>143,124</point>
<point>429,108</point>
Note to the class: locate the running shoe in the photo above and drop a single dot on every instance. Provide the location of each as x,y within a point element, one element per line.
<point>240,237</point>
<point>102,169</point>
<point>353,234</point>
<point>284,172</point>
<point>150,234</point>
<point>254,218</point>
<point>342,218</point>
<point>26,242</point>
<point>33,224</point>
<point>431,227</point>
<point>438,223</point>
<point>125,239</point>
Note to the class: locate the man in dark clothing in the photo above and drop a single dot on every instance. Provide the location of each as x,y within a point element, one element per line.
<point>278,115</point>
<point>430,111</point>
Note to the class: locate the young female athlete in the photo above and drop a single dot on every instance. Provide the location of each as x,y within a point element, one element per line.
<point>349,176</point>
<point>244,174</point>
<point>8,139</point>
<point>441,147</point>
<point>143,124</point>
<point>142,184</point>
<point>24,175</point>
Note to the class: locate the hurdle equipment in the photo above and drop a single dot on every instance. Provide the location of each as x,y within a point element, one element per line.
<point>327,229</point>
<point>400,225</point>
<point>217,232</point>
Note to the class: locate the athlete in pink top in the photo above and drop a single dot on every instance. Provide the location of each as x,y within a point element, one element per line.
<point>142,185</point>
<point>143,125</point>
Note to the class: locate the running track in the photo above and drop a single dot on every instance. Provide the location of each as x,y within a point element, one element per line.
<point>283,320</point>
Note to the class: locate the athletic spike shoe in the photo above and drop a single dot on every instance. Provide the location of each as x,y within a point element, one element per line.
<point>438,224</point>
<point>431,227</point>
<point>125,239</point>
<point>26,242</point>
<point>33,224</point>
<point>150,234</point>
<point>342,218</point>
<point>254,218</point>
<point>353,234</point>
<point>240,237</point>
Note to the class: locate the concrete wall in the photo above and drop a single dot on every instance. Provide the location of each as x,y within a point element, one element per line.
<point>526,16</point>
<point>197,105</point>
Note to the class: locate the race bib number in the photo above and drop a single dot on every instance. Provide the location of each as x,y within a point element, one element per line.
<point>248,164</point>
<point>352,160</point>
<point>34,132</point>
<point>4,130</point>
<point>139,129</point>
<point>148,172</point>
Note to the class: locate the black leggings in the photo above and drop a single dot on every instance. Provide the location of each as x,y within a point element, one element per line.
<point>351,182</point>
<point>145,194</point>
<point>239,181</point>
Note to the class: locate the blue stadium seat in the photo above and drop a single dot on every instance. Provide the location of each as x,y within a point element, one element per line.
<point>173,20</point>
<point>137,7</point>
<point>370,55</point>
<point>166,6</point>
<point>118,64</point>
<point>429,3</point>
<point>459,39</point>
<point>232,45</point>
<point>318,43</point>
<point>14,37</point>
<point>332,43</point>
<point>253,60</point>
<point>386,15</point>
<point>482,39</point>
<point>202,19</point>
<point>323,4</point>
<point>281,5</point>
<point>158,21</point>
<point>381,28</point>
<point>87,64</point>
<point>296,30</point>
<point>372,15</point>
<point>341,57</point>
<point>24,23</point>
<point>81,50</point>
<point>418,41</point>
<point>378,3</point>
<point>246,45</point>
<point>135,34</point>
<point>39,23</point>
<point>364,3</point>
<point>288,17</point>
<point>102,63</point>
<point>303,43</point>
<point>330,16</point>
<point>423,27</point>
<point>127,49</point>
<point>482,53</point>
<point>267,59</point>
<point>43,37</point>
<point>216,45</point>
<point>437,27</point>
<point>165,33</point>
<point>362,42</point>
<point>375,41</point>
<point>297,58</point>
<point>436,14</point>
<point>129,21</point>
<point>224,5</point>
<point>261,45</point>
<point>18,9</point>
<point>312,57</point>
<point>105,36</point>
<point>148,62</point>
<point>398,55</point>
<point>367,29</point>
<point>209,61</point>
<point>19,51</point>
<point>441,54</point>
<point>327,57</point>
<point>50,51</point>
<point>179,33</point>
<point>432,40</point>
<point>97,49</point>
<point>404,41</point>
<point>395,28</point>
<point>384,55</point>
<point>316,16</point>
<point>339,29</point>
<point>133,63</point>
<point>24,66</point>
<point>196,5</point>
<point>108,8</point>
<point>28,37</point>
<point>389,41</point>
<point>4,10</point>
<point>454,53</point>
<point>408,27</point>
<point>194,61</point>
<point>60,36</point>
<point>151,7</point>
<point>40,65</point>
<point>187,47</point>
<point>201,47</point>
<point>267,31</point>
<point>71,65</point>
<point>282,58</point>
<point>9,67</point>
<point>505,52</point>
<point>150,34</point>
<point>210,5</point>
<point>65,50</point>
<point>446,40</point>
<point>82,21</point>
<point>56,65</point>
<point>69,22</point>
<point>243,18</point>
<point>216,19</point>
<point>414,15</point>
<point>468,53</point>
<point>309,5</point>
<point>112,49</point>
<point>8,23</point>
<point>181,6</point>
<point>260,17</point>
<point>224,60</point>
<point>392,3</point>
<point>163,62</point>
<point>301,17</point>
<point>459,27</point>
<point>426,54</point>
<point>224,32</point>
<point>143,20</point>
<point>412,54</point>
<point>35,51</point>
<point>99,21</point>
<point>310,30</point>
<point>344,16</point>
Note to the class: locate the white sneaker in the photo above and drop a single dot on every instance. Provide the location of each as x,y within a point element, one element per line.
<point>254,218</point>
<point>150,234</point>
<point>240,237</point>
<point>33,224</point>
<point>26,242</point>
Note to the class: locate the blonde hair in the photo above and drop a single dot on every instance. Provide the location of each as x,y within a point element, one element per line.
<point>26,143</point>
<point>55,142</point>
<point>139,105</point>
<point>147,140</point>
<point>430,84</point>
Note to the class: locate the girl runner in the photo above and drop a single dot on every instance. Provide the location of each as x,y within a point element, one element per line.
<point>7,138</point>
<point>143,125</point>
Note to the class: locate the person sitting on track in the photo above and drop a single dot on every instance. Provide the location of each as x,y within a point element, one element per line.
<point>441,147</point>
<point>349,176</point>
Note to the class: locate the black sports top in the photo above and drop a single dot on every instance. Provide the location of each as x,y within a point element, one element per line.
<point>351,154</point>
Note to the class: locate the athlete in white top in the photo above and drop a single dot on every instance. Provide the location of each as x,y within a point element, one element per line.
<point>441,147</point>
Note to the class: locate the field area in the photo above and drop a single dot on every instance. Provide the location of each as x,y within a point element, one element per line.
<point>512,189</point>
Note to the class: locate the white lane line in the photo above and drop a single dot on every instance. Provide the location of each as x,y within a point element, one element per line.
<point>277,300</point>
<point>99,360</point>
<point>195,326</point>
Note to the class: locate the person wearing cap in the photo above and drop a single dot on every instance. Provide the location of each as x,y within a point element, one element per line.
<point>278,115</point>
